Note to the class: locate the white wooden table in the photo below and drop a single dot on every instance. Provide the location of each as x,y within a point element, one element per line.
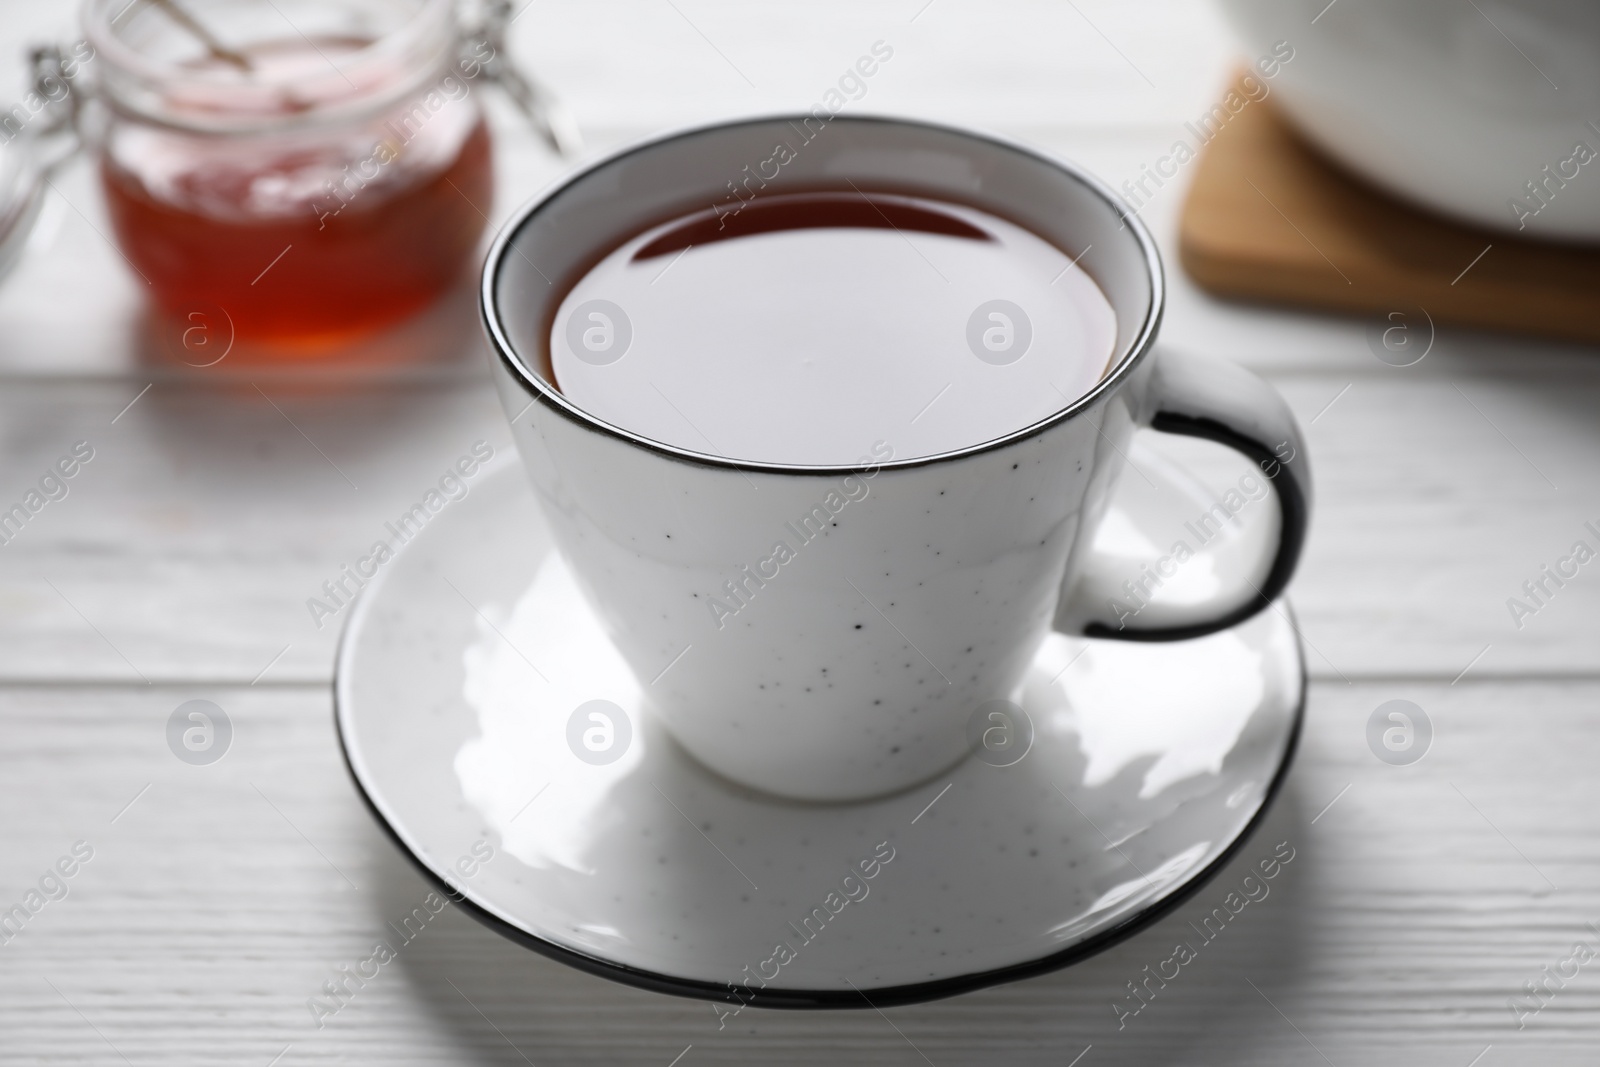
<point>219,898</point>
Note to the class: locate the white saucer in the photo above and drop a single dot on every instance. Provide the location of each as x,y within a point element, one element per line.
<point>468,654</point>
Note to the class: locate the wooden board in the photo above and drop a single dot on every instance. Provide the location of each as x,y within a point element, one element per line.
<point>1270,218</point>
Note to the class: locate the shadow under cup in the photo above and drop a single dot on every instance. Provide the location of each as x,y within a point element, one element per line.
<point>836,659</point>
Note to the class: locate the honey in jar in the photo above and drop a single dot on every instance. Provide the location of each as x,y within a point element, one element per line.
<point>311,186</point>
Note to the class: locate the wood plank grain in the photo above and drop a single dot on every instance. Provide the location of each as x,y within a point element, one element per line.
<point>639,63</point>
<point>72,309</point>
<point>188,547</point>
<point>223,897</point>
<point>220,901</point>
<point>1048,75</point>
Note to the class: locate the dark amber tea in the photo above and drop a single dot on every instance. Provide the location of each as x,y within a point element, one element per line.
<point>807,327</point>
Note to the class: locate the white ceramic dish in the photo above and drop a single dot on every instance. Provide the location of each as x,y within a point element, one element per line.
<point>1455,104</point>
<point>466,658</point>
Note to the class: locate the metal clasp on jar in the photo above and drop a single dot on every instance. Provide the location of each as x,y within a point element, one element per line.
<point>484,42</point>
<point>37,134</point>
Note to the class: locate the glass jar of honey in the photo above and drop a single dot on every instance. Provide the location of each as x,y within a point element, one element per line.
<point>311,169</point>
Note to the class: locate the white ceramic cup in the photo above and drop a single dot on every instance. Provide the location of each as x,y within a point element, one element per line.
<point>1487,111</point>
<point>914,589</point>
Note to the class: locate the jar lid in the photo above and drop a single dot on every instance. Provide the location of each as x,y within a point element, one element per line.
<point>260,65</point>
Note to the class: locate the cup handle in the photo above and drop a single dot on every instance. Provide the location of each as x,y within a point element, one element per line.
<point>1220,401</point>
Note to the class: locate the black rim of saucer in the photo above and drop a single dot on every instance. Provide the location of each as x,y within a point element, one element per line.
<point>879,997</point>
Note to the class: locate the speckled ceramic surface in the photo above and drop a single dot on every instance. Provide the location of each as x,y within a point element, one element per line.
<point>464,684</point>
<point>824,630</point>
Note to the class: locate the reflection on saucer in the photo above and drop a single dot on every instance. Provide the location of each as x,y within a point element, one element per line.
<point>1152,884</point>
<point>1121,711</point>
<point>521,759</point>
